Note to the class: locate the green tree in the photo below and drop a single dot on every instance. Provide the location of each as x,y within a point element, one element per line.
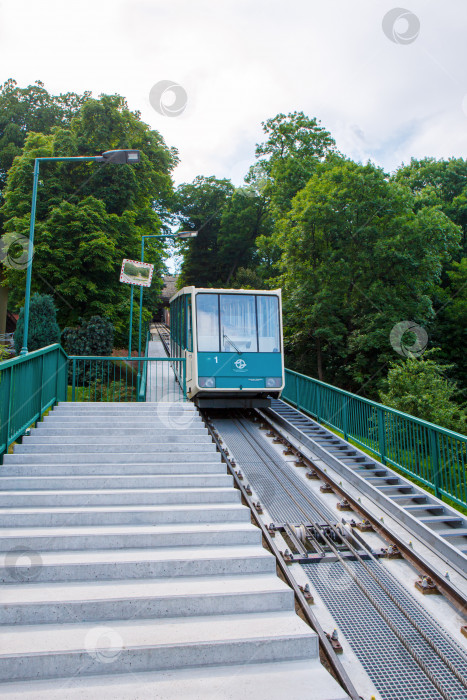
<point>90,216</point>
<point>43,328</point>
<point>294,146</point>
<point>450,329</point>
<point>442,182</point>
<point>200,206</point>
<point>30,109</point>
<point>356,259</point>
<point>419,386</point>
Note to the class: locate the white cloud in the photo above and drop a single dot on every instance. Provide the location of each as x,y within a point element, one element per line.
<point>243,61</point>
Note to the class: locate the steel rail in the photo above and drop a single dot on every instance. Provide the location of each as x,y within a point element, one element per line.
<point>302,603</point>
<point>446,586</point>
<point>407,646</point>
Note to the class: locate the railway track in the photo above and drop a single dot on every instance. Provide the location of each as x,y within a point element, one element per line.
<point>435,523</point>
<point>406,653</point>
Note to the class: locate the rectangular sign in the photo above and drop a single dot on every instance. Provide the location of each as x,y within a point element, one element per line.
<point>136,272</point>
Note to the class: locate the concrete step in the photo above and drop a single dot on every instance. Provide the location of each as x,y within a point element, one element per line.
<point>126,425</point>
<point>115,481</point>
<point>48,539</point>
<point>150,438</point>
<point>99,469</point>
<point>124,515</point>
<point>54,603</point>
<point>125,413</point>
<point>127,405</point>
<point>111,447</point>
<point>271,681</point>
<point>111,458</point>
<point>44,430</point>
<point>101,497</point>
<point>108,565</point>
<point>53,651</point>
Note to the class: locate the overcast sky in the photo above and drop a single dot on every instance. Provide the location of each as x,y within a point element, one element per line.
<point>385,93</point>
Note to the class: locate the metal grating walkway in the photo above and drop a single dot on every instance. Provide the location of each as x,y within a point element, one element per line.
<point>256,464</point>
<point>390,666</point>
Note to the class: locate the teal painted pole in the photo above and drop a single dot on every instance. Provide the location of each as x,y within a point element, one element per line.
<point>140,306</point>
<point>24,349</point>
<point>131,322</point>
<point>138,381</point>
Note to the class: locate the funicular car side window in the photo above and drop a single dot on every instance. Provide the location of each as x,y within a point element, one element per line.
<point>268,323</point>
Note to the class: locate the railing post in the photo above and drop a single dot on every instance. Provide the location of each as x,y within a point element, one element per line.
<point>381,434</point>
<point>318,403</point>
<point>7,424</point>
<point>345,427</point>
<point>41,387</point>
<point>184,378</point>
<point>434,454</point>
<point>10,402</point>
<point>297,390</point>
<point>73,380</point>
<point>56,375</point>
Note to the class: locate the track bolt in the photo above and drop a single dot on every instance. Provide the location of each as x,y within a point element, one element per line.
<point>446,575</point>
<point>426,585</point>
<point>258,507</point>
<point>364,526</point>
<point>311,474</point>
<point>392,552</point>
<point>288,452</point>
<point>307,593</point>
<point>287,556</point>
<point>240,475</point>
<point>233,463</point>
<point>326,488</point>
<point>344,505</point>
<point>272,529</point>
<point>277,441</point>
<point>263,426</point>
<point>271,433</point>
<point>299,463</point>
<point>335,643</point>
<point>464,630</point>
<point>248,489</point>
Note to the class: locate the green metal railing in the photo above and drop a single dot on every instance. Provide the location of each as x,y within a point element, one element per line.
<point>29,385</point>
<point>433,456</point>
<point>143,372</point>
<point>96,378</point>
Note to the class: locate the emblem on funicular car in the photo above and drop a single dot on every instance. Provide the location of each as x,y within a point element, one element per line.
<point>240,365</point>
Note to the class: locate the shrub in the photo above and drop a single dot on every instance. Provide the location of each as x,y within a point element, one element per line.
<point>43,327</point>
<point>93,337</point>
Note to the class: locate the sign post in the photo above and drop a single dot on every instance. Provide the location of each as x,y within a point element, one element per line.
<point>136,274</point>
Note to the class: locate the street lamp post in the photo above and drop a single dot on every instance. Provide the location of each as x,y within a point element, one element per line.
<point>117,157</point>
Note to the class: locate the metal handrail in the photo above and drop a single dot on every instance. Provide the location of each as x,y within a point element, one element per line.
<point>29,385</point>
<point>433,456</point>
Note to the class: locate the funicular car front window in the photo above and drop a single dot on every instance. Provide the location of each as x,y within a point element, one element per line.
<point>207,319</point>
<point>238,323</point>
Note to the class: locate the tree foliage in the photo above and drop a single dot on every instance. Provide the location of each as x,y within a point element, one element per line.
<point>43,328</point>
<point>90,215</point>
<point>420,387</point>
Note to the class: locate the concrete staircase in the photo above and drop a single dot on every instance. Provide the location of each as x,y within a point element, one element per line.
<point>130,568</point>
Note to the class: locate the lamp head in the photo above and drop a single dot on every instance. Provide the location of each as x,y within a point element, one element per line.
<point>187,234</point>
<point>121,157</point>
